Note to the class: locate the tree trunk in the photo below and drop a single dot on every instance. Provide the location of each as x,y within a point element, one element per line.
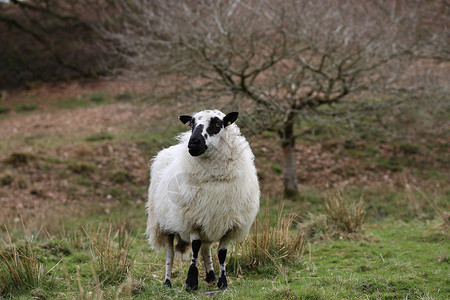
<point>289,160</point>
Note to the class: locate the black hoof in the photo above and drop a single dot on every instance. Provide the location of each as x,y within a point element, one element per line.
<point>222,284</point>
<point>210,277</point>
<point>192,279</point>
<point>168,283</point>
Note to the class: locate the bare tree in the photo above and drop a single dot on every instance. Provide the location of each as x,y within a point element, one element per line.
<point>288,58</point>
<point>50,40</point>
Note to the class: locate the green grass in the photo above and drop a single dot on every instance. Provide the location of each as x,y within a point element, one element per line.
<point>108,255</point>
<point>81,167</point>
<point>94,99</point>
<point>125,96</point>
<point>4,109</point>
<point>100,136</point>
<point>97,97</point>
<point>26,107</point>
<point>71,103</point>
<point>121,176</point>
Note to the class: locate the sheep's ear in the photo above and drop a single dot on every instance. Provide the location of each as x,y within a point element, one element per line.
<point>186,120</point>
<point>230,118</point>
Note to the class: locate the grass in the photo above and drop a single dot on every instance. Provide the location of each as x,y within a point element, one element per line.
<point>125,96</point>
<point>121,176</point>
<point>102,258</point>
<point>26,107</point>
<point>97,97</point>
<point>269,245</point>
<point>326,245</point>
<point>337,219</point>
<point>21,271</point>
<point>99,136</point>
<point>19,159</point>
<point>347,218</point>
<point>81,167</point>
<point>110,254</point>
<point>4,109</point>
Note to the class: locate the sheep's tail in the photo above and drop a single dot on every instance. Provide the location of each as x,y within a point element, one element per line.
<point>181,246</point>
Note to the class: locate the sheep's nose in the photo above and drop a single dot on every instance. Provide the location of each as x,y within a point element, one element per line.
<point>195,141</point>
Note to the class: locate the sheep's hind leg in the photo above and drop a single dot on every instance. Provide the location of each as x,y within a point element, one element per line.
<point>207,259</point>
<point>169,259</point>
<point>222,253</point>
<point>192,278</point>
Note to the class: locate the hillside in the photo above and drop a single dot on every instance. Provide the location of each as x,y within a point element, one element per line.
<point>74,161</point>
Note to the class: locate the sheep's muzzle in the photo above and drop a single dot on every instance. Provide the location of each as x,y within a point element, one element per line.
<point>197,144</point>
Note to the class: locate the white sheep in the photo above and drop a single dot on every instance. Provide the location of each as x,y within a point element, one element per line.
<point>202,190</point>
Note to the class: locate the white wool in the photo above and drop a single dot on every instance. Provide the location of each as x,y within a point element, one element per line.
<point>215,193</point>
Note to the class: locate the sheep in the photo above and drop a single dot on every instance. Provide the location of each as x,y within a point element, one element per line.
<point>202,190</point>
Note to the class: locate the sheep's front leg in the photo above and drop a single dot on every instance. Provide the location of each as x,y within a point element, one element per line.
<point>192,278</point>
<point>207,259</point>
<point>169,259</point>
<point>222,253</point>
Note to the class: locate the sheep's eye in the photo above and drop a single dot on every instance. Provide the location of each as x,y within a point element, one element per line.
<point>218,124</point>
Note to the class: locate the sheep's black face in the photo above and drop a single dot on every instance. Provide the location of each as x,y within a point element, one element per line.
<point>207,127</point>
<point>197,143</point>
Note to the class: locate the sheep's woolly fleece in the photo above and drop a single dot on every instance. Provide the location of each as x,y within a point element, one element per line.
<point>216,193</point>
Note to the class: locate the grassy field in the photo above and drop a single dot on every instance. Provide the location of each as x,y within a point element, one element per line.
<point>371,222</point>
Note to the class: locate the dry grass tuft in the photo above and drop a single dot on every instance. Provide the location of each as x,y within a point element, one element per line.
<point>110,253</point>
<point>340,219</point>
<point>269,244</point>
<point>347,217</point>
<point>20,270</point>
<point>441,208</point>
